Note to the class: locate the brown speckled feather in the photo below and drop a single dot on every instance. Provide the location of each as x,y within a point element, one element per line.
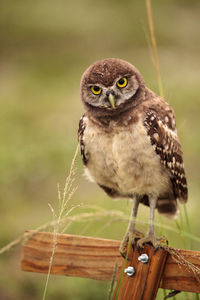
<point>162,132</point>
<point>81,129</point>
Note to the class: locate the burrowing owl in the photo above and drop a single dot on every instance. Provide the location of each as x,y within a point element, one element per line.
<point>129,142</point>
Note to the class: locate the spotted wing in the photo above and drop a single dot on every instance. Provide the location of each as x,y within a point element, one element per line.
<point>162,131</point>
<point>81,129</point>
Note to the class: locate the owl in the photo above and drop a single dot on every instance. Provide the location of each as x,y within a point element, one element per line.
<point>129,144</point>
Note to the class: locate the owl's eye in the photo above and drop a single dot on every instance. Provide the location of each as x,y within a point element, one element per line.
<point>96,90</point>
<point>122,82</point>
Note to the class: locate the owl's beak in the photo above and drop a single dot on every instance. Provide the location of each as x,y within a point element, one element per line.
<point>111,99</point>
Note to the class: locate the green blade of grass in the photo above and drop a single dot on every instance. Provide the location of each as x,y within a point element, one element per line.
<point>122,273</point>
<point>187,224</point>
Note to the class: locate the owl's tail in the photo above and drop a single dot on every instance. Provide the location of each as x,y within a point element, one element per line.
<point>168,207</point>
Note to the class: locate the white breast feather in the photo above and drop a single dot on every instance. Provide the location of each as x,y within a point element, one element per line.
<point>124,160</point>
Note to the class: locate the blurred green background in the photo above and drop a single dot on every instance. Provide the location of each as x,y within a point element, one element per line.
<point>44,48</point>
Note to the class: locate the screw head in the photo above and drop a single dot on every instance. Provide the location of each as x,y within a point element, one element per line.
<point>143,258</point>
<point>130,271</point>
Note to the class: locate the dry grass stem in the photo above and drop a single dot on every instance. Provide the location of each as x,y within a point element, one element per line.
<point>12,244</point>
<point>154,46</point>
<point>53,252</point>
<point>62,212</point>
<point>66,227</point>
<point>177,257</point>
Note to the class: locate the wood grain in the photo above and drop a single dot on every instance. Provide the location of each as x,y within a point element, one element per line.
<point>179,277</point>
<point>145,283</point>
<point>78,256</point>
<point>95,258</point>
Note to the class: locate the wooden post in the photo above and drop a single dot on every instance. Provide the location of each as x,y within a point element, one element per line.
<point>96,258</point>
<point>144,284</point>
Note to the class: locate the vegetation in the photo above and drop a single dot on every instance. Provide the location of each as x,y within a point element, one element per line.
<point>45,47</point>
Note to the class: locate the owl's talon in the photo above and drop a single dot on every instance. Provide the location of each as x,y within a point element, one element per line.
<point>139,249</point>
<point>132,245</point>
<point>122,254</point>
<point>135,236</point>
<point>155,250</point>
<point>155,242</point>
<point>124,246</point>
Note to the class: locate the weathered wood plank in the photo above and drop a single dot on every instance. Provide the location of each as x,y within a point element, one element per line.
<point>78,256</point>
<point>145,282</point>
<point>95,258</point>
<point>179,277</point>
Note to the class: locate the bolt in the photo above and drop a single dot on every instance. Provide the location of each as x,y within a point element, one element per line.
<point>130,271</point>
<point>143,258</point>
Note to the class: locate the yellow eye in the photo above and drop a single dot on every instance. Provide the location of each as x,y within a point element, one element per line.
<point>96,90</point>
<point>122,82</point>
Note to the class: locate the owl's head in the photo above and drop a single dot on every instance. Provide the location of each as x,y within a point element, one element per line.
<point>110,86</point>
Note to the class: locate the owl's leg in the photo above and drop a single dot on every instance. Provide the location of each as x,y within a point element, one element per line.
<point>150,236</point>
<point>131,232</point>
